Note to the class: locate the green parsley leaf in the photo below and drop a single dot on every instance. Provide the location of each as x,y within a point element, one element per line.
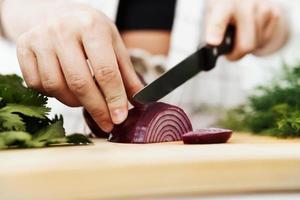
<point>77,138</point>
<point>14,138</point>
<point>23,118</point>
<point>273,110</point>
<point>52,131</point>
<point>12,90</point>
<point>11,120</point>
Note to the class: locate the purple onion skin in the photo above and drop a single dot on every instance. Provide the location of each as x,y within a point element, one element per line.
<point>207,136</point>
<point>170,122</point>
<point>96,130</point>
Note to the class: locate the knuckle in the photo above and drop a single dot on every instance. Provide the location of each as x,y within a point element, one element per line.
<point>276,13</point>
<point>34,34</point>
<point>113,99</point>
<point>53,29</point>
<point>265,10</point>
<point>23,52</point>
<point>78,84</point>
<point>23,46</point>
<point>94,24</point>
<point>60,29</point>
<point>35,40</point>
<point>33,83</point>
<point>42,48</point>
<point>105,73</point>
<point>90,21</point>
<point>61,24</point>
<point>51,86</point>
<point>22,41</point>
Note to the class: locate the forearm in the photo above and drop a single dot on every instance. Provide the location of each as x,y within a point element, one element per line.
<point>19,16</point>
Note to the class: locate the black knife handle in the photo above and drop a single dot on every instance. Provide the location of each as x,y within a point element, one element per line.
<point>228,41</point>
<point>227,44</point>
<point>209,54</point>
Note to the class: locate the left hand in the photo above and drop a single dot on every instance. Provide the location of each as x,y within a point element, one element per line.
<point>261,26</point>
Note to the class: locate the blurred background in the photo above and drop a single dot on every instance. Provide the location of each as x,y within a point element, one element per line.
<point>205,95</point>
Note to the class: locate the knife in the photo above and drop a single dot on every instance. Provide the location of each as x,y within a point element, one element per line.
<point>204,59</point>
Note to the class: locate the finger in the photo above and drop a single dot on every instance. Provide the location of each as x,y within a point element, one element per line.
<point>131,80</point>
<point>28,65</point>
<point>217,20</point>
<point>51,76</point>
<point>270,24</point>
<point>80,81</point>
<point>269,42</point>
<point>262,18</point>
<point>101,55</point>
<point>245,41</point>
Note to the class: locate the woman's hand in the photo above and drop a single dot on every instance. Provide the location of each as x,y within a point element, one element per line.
<point>261,25</point>
<point>53,59</point>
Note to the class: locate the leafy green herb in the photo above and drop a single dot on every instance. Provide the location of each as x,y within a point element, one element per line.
<point>23,118</point>
<point>14,138</point>
<point>9,115</point>
<point>273,110</point>
<point>78,139</point>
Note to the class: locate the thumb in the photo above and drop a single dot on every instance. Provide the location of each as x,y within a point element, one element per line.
<point>217,18</point>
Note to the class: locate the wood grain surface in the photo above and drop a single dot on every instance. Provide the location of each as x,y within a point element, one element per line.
<point>108,170</point>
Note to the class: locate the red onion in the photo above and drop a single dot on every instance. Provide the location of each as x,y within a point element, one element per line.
<point>156,122</point>
<point>207,136</point>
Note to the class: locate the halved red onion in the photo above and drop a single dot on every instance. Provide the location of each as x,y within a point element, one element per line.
<point>156,122</point>
<point>207,136</point>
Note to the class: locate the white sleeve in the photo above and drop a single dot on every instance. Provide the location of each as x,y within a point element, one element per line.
<point>108,7</point>
<point>290,52</point>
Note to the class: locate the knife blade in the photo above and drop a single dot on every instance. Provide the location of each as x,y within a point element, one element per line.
<point>203,59</point>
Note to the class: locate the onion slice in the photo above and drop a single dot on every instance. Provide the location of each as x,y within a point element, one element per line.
<point>152,123</point>
<point>207,136</point>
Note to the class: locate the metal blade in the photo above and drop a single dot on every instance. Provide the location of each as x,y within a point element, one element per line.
<point>202,60</point>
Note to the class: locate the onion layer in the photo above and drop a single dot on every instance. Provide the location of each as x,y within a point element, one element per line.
<point>207,136</point>
<point>156,122</point>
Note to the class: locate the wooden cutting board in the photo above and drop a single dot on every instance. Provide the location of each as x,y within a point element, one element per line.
<point>108,170</point>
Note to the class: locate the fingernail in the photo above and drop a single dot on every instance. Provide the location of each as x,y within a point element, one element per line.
<point>119,115</point>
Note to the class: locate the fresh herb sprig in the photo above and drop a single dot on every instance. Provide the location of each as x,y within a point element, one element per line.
<point>23,118</point>
<point>273,110</point>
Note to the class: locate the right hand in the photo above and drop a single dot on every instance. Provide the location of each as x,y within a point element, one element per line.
<point>261,26</point>
<point>53,59</point>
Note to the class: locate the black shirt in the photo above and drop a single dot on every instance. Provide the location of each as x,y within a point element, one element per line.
<point>145,14</point>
